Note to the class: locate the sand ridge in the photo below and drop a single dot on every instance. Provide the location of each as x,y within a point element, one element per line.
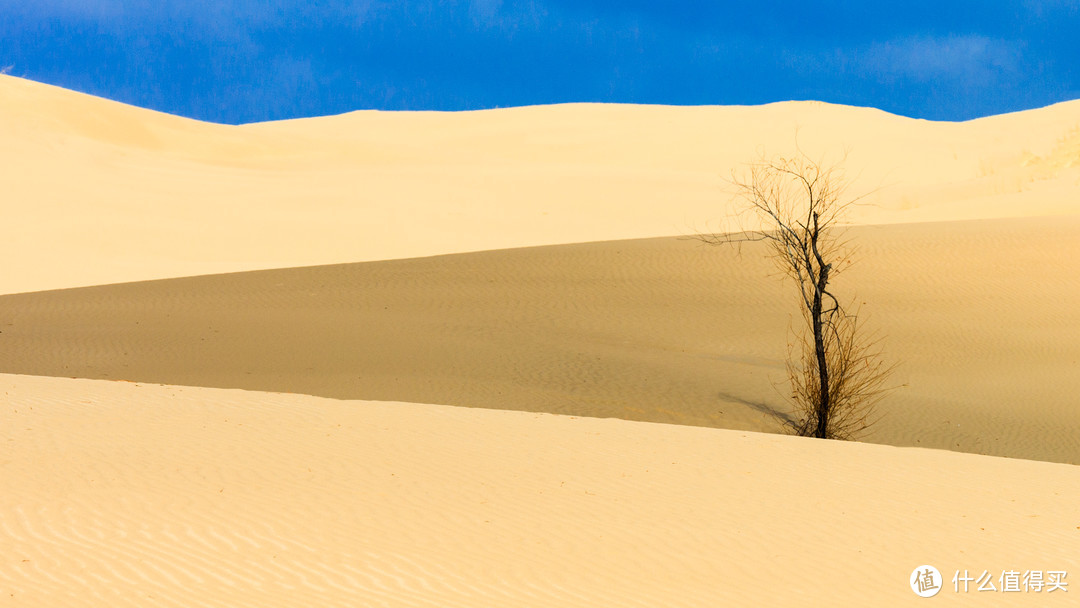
<point>980,318</point>
<point>98,192</point>
<point>145,495</point>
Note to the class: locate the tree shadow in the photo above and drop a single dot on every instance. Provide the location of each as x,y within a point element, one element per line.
<point>785,419</point>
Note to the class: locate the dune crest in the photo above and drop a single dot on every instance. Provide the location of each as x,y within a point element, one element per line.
<point>98,192</point>
<point>980,317</point>
<point>126,494</point>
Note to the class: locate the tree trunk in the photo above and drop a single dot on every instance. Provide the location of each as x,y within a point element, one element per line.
<point>821,281</point>
<point>822,430</point>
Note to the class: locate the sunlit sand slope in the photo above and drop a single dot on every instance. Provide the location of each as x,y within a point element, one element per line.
<point>116,494</point>
<point>981,318</point>
<point>98,192</point>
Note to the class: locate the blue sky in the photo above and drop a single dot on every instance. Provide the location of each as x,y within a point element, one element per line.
<point>238,61</point>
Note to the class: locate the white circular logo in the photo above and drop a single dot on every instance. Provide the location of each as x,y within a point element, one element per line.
<point>926,581</point>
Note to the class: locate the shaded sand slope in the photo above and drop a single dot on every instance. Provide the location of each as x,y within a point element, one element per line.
<point>981,317</point>
<point>117,494</point>
<point>98,192</point>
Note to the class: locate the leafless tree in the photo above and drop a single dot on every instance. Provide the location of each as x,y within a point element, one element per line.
<point>837,375</point>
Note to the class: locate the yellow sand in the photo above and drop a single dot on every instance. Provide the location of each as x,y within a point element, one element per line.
<point>97,192</point>
<point>117,494</point>
<point>113,493</point>
<point>980,316</point>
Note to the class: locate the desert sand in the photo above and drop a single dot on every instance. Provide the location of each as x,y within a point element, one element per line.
<point>122,494</point>
<point>97,192</point>
<point>980,317</point>
<point>229,352</point>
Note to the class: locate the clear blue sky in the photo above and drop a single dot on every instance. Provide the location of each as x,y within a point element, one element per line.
<point>240,61</point>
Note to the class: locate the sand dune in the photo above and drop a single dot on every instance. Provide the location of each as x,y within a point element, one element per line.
<point>97,192</point>
<point>125,494</point>
<point>980,316</point>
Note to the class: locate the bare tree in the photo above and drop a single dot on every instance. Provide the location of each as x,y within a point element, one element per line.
<point>838,375</point>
